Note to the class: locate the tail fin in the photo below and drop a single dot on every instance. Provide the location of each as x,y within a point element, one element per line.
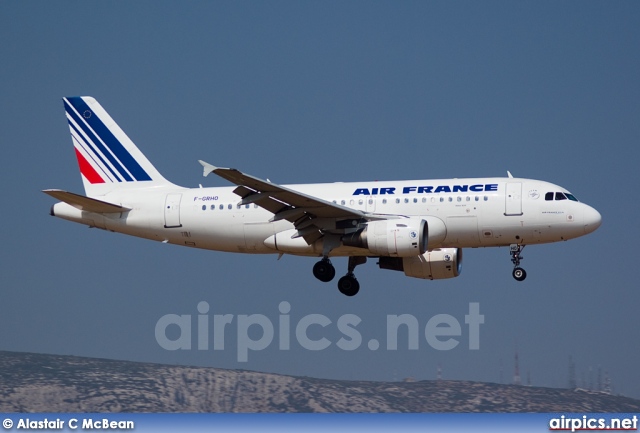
<point>107,157</point>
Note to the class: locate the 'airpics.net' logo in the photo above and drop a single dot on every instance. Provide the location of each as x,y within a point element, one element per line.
<point>441,331</point>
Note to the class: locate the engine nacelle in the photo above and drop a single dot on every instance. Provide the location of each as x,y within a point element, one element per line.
<point>437,231</point>
<point>436,264</point>
<point>391,238</point>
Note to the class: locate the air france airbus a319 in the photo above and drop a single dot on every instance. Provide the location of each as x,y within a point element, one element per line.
<point>418,227</point>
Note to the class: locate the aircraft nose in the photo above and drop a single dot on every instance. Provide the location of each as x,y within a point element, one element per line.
<point>592,219</point>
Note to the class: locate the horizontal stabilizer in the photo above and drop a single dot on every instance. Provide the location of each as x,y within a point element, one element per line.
<point>85,203</point>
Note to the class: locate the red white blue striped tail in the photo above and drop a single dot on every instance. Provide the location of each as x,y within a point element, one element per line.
<point>107,157</point>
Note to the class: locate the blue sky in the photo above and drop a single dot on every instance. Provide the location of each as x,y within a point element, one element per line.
<point>320,92</point>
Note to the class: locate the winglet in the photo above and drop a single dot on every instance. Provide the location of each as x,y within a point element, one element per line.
<point>208,168</point>
<point>509,174</point>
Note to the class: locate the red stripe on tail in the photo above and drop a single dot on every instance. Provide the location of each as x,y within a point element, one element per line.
<point>87,170</point>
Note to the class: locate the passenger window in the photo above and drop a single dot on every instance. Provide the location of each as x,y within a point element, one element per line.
<point>221,206</point>
<point>342,202</point>
<point>560,196</point>
<point>384,201</point>
<point>397,201</point>
<point>204,207</point>
<point>468,198</point>
<point>450,199</point>
<point>459,199</point>
<point>230,206</point>
<point>441,199</point>
<point>415,200</point>
<point>213,207</point>
<point>486,198</point>
<point>406,200</point>
<point>370,201</point>
<point>548,196</point>
<point>424,199</point>
<point>360,201</point>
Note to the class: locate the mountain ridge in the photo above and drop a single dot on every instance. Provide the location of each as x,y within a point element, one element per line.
<point>31,382</point>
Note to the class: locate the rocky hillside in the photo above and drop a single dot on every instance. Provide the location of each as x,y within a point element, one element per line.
<point>50,383</point>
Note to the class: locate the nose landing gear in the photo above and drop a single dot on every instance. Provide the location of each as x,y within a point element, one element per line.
<point>518,273</point>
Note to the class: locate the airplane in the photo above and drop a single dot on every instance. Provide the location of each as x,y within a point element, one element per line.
<point>418,227</point>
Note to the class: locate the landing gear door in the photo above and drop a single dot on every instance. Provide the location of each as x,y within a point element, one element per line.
<point>172,211</point>
<point>513,199</point>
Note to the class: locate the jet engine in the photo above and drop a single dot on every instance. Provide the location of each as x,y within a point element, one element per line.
<point>392,238</point>
<point>436,264</point>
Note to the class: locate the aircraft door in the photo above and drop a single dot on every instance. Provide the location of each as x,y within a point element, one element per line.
<point>513,199</point>
<point>172,211</point>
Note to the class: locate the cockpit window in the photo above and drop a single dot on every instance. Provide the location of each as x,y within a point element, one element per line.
<point>559,196</point>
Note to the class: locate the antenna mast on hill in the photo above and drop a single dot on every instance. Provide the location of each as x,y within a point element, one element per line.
<point>572,374</point>
<point>607,383</point>
<point>516,374</point>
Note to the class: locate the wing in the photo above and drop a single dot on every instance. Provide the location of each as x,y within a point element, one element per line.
<point>311,216</point>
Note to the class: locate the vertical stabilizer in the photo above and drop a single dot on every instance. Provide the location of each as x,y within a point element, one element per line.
<point>107,157</point>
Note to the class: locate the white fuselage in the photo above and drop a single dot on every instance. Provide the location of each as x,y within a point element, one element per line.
<point>418,227</point>
<point>482,212</point>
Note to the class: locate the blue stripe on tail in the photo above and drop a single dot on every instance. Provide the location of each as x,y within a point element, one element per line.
<point>93,154</point>
<point>98,148</point>
<point>123,156</point>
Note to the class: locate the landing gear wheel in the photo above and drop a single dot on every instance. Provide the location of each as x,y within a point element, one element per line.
<point>348,285</point>
<point>519,274</point>
<point>324,270</point>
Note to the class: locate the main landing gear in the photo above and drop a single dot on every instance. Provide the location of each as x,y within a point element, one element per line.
<point>518,273</point>
<point>324,270</point>
<point>348,285</point>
